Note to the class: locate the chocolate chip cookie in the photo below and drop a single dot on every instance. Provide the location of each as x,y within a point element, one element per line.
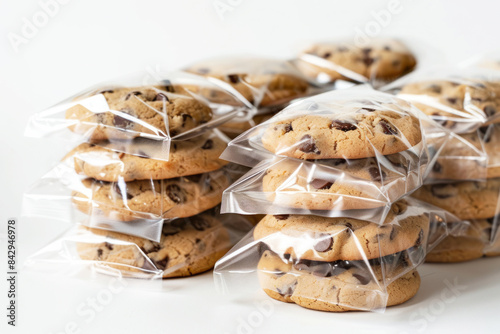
<point>187,247</point>
<point>337,286</point>
<point>454,101</point>
<point>133,111</point>
<point>330,239</point>
<point>349,132</point>
<point>466,200</point>
<point>262,82</point>
<point>171,198</point>
<point>189,157</point>
<point>339,184</point>
<point>467,244</point>
<point>380,60</point>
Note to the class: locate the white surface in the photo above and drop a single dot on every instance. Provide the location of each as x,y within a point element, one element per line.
<point>90,41</point>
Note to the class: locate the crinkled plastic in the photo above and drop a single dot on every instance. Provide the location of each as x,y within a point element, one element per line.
<point>461,99</point>
<point>477,203</point>
<point>188,246</point>
<point>350,153</point>
<point>377,62</point>
<point>124,199</point>
<point>132,116</point>
<point>337,264</point>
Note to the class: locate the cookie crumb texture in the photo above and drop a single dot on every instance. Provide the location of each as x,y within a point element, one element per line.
<point>187,247</point>
<point>348,133</point>
<point>135,111</point>
<point>347,290</point>
<point>382,60</point>
<point>152,199</point>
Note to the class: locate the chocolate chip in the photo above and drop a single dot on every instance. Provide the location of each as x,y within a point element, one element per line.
<point>203,70</point>
<point>185,117</point>
<point>168,86</point>
<point>209,144</point>
<point>324,244</point>
<point>281,217</point>
<point>439,191</point>
<point>387,128</point>
<point>99,253</point>
<point>199,223</point>
<point>161,97</point>
<point>308,145</point>
<point>393,234</point>
<point>233,78</point>
<point>175,193</point>
<point>490,111</point>
<point>366,50</point>
<point>117,189</point>
<point>368,109</point>
<point>484,134</point>
<point>162,264</point>
<point>437,168</point>
<point>452,100</point>
<point>387,48</point>
<point>288,128</point>
<point>288,290</point>
<point>122,123</point>
<point>349,226</point>
<point>277,272</point>
<point>363,280</point>
<point>435,88</point>
<point>108,246</point>
<point>327,55</point>
<point>169,229</point>
<point>420,238</point>
<point>368,61</point>
<point>142,154</point>
<point>375,174</point>
<point>105,91</point>
<point>134,93</point>
<point>343,126</point>
<point>396,63</point>
<point>321,184</point>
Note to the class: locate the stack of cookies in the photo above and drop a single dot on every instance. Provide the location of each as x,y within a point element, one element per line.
<point>466,178</point>
<point>266,84</point>
<point>124,195</point>
<point>337,236</point>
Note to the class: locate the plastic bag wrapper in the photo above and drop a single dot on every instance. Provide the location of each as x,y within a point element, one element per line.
<point>378,62</point>
<point>120,202</point>
<point>336,264</point>
<point>478,204</point>
<point>131,116</point>
<point>470,156</point>
<point>188,246</point>
<point>461,100</point>
<point>267,84</point>
<point>369,150</point>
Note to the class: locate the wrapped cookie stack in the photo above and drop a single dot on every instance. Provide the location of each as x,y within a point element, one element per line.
<point>466,178</point>
<point>332,174</point>
<point>146,183</point>
<point>267,85</point>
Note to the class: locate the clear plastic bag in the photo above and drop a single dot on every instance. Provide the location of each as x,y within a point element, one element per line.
<point>350,153</point>
<point>188,246</point>
<point>336,264</point>
<point>123,199</point>
<point>460,99</point>
<point>377,62</point>
<point>478,204</point>
<point>126,114</point>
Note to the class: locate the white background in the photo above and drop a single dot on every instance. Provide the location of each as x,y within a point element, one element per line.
<point>89,41</point>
